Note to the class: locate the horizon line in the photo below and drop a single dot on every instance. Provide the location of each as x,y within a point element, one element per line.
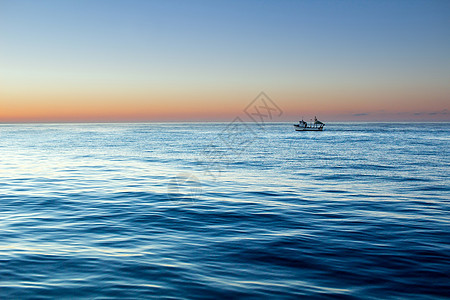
<point>229,121</point>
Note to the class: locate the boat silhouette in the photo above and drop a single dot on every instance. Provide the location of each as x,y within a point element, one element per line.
<point>304,126</point>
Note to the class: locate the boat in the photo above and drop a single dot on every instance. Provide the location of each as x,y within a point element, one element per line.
<point>304,126</point>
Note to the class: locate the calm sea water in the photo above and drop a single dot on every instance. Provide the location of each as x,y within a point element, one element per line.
<point>216,210</point>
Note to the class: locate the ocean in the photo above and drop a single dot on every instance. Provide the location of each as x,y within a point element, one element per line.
<point>224,210</point>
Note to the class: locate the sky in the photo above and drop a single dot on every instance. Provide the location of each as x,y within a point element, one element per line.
<point>143,60</point>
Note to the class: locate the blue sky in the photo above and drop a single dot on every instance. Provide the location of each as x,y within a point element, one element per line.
<point>181,52</point>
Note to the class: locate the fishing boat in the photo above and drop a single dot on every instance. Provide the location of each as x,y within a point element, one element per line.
<point>304,126</point>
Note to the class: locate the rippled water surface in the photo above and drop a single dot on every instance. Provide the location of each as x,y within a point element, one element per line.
<point>209,211</point>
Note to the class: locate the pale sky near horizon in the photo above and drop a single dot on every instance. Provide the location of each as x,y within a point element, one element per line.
<point>206,60</point>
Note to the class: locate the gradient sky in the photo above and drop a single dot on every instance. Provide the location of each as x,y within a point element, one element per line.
<point>142,60</point>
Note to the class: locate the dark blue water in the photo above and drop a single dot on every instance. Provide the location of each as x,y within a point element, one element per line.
<point>211,211</point>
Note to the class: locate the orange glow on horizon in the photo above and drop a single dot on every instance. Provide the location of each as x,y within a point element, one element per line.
<point>191,106</point>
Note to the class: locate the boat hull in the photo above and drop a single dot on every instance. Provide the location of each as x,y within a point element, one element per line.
<point>298,128</point>
<point>308,129</point>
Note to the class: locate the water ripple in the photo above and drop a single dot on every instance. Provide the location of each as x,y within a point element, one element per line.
<point>359,211</point>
